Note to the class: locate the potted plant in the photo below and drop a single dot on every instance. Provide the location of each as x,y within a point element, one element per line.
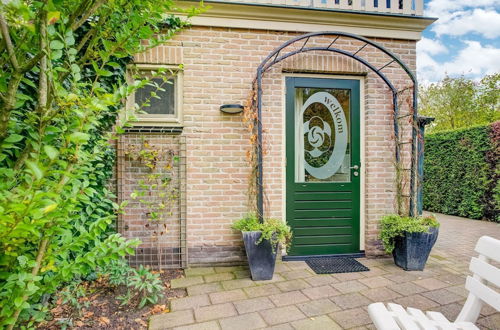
<point>409,239</point>
<point>262,242</point>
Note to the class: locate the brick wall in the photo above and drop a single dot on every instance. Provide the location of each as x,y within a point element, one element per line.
<point>219,66</point>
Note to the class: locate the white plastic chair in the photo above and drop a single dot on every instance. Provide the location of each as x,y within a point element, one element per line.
<point>395,317</point>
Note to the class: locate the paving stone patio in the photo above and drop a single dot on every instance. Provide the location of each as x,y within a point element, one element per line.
<point>296,298</point>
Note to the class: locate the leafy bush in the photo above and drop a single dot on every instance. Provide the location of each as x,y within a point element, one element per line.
<point>61,87</point>
<point>71,295</point>
<point>491,199</point>
<point>274,230</point>
<point>395,225</point>
<point>142,285</point>
<point>116,271</point>
<point>461,173</point>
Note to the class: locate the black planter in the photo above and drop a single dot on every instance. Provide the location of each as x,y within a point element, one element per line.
<point>412,250</point>
<point>261,258</point>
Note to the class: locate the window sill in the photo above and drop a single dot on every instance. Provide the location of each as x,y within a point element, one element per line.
<point>162,128</point>
<point>158,122</point>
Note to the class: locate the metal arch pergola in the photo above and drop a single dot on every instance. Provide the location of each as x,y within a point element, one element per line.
<point>277,56</point>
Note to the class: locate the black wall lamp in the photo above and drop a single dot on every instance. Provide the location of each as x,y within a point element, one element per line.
<point>231,108</point>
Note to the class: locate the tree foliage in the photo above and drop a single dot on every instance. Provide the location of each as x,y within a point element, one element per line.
<point>461,103</point>
<point>61,86</point>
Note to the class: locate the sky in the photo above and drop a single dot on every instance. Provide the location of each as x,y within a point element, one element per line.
<point>464,41</point>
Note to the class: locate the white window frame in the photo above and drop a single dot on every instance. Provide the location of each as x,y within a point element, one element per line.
<point>143,119</point>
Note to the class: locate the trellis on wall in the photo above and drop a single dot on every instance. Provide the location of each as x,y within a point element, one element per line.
<point>151,177</point>
<point>406,170</point>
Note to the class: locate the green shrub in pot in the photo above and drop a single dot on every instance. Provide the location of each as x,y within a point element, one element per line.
<point>274,230</point>
<point>409,239</point>
<point>261,243</point>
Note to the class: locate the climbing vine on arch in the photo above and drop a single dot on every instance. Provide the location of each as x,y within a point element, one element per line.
<point>403,158</point>
<point>250,119</point>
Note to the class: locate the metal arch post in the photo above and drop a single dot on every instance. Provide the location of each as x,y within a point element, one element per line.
<point>264,66</point>
<point>260,187</point>
<point>395,110</point>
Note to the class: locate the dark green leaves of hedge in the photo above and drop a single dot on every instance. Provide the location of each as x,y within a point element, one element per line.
<point>459,177</point>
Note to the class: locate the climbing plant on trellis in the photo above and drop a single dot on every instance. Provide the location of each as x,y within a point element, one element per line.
<point>403,158</point>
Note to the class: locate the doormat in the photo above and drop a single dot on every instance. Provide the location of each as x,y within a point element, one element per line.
<point>333,265</point>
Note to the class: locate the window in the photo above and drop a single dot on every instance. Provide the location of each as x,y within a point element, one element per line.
<point>164,104</point>
<point>161,100</point>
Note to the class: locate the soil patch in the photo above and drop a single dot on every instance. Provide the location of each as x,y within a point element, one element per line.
<point>105,311</point>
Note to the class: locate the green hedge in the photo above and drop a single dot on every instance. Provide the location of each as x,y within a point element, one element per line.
<point>461,172</point>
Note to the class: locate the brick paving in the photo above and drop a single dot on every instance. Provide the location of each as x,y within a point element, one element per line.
<point>296,298</point>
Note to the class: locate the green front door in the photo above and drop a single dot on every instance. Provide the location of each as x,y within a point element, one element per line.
<point>323,165</point>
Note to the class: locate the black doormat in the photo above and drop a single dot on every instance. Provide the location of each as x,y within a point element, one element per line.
<point>333,265</point>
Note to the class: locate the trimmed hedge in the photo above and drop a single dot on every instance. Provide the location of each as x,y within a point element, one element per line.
<point>461,172</point>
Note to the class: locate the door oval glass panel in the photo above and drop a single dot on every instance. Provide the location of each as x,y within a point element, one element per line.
<point>322,124</point>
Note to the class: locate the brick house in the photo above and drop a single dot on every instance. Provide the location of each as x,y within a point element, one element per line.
<point>335,111</point>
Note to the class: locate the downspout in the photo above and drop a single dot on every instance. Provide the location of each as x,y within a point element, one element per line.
<point>414,155</point>
<point>422,122</point>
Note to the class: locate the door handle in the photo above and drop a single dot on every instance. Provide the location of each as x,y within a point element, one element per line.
<point>355,167</point>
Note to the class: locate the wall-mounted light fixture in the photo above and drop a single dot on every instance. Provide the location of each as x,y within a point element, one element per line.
<point>231,108</point>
